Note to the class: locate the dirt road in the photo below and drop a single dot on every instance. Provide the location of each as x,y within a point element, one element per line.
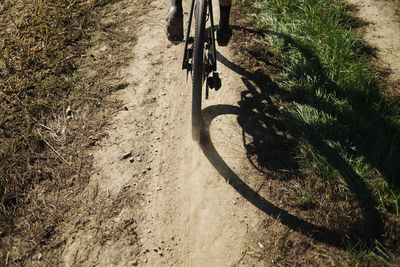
<point>382,32</point>
<point>155,198</point>
<point>187,214</point>
<point>185,210</point>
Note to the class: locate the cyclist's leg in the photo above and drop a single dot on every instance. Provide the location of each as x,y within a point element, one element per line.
<point>224,33</point>
<point>175,22</point>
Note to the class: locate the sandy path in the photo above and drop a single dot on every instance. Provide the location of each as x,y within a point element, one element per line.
<point>383,31</point>
<point>192,219</point>
<point>185,211</point>
<point>188,214</point>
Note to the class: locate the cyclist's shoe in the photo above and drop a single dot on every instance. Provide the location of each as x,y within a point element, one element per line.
<point>224,35</point>
<point>175,24</point>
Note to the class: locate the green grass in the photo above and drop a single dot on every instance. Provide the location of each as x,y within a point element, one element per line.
<point>345,126</point>
<point>302,195</point>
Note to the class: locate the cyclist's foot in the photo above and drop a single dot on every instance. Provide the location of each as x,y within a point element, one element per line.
<point>224,34</point>
<point>175,24</point>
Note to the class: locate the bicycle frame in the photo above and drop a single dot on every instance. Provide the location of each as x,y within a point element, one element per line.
<point>212,53</point>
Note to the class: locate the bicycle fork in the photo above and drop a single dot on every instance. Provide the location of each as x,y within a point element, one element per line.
<point>210,55</point>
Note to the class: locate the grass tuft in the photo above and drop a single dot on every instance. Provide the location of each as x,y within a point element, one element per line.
<point>345,125</point>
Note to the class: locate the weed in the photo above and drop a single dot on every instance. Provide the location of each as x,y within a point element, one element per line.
<point>302,195</point>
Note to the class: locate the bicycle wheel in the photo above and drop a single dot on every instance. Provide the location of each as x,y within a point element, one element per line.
<point>198,67</point>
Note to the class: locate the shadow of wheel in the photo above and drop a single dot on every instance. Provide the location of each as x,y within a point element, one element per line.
<point>319,233</point>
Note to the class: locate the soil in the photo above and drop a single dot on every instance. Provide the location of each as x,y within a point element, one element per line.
<point>156,198</point>
<point>382,33</point>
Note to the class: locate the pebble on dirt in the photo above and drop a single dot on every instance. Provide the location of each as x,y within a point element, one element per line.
<point>127,155</point>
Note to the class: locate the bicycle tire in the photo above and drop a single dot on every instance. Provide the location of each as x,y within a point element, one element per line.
<point>198,67</point>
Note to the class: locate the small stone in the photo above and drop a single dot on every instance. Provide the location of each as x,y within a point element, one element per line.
<point>139,159</point>
<point>127,155</point>
<point>148,168</point>
<point>126,108</point>
<point>158,189</point>
<point>39,257</point>
<point>144,171</point>
<point>104,48</point>
<point>145,260</point>
<point>131,160</point>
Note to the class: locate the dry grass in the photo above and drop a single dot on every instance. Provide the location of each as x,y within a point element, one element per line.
<point>37,63</point>
<point>53,107</point>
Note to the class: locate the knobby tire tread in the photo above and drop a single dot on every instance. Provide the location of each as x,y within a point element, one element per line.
<point>198,65</point>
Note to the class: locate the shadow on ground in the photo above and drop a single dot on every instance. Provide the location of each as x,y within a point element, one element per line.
<point>320,233</point>
<point>268,149</point>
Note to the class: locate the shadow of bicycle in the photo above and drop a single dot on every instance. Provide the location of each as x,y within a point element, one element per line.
<point>321,234</point>
<point>266,147</point>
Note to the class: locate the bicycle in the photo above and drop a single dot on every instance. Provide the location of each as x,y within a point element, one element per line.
<point>201,59</point>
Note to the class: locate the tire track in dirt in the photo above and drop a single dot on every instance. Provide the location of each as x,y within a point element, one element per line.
<point>192,220</point>
<point>186,212</point>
